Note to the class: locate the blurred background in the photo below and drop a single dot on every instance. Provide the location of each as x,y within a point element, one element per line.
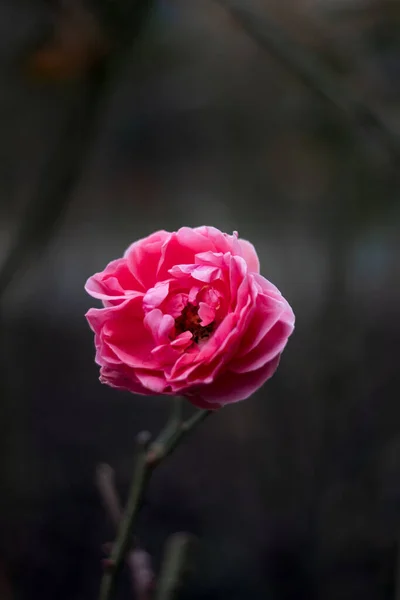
<point>277,119</point>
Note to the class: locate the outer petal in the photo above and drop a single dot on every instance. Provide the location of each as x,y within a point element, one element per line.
<point>267,312</point>
<point>123,380</point>
<point>270,346</point>
<point>250,255</point>
<point>231,387</point>
<point>239,282</point>
<point>121,330</point>
<point>221,242</point>
<point>153,381</point>
<point>143,257</point>
<point>266,286</point>
<point>116,282</point>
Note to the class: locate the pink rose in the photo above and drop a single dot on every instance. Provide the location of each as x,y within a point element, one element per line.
<point>187,313</point>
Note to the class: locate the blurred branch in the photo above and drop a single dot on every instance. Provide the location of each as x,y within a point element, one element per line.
<point>67,160</point>
<point>106,485</point>
<point>138,560</point>
<point>269,36</point>
<point>148,457</point>
<point>173,566</point>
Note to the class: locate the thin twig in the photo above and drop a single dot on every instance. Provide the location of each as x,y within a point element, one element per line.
<point>106,486</point>
<point>122,543</point>
<point>138,560</point>
<point>173,566</point>
<point>164,445</point>
<point>146,461</point>
<point>268,35</point>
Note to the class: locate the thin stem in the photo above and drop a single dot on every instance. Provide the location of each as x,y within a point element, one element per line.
<point>158,452</point>
<point>138,560</point>
<point>194,420</point>
<point>148,458</point>
<point>124,536</point>
<point>173,424</point>
<point>108,493</point>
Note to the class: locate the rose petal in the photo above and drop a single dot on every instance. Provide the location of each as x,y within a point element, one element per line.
<point>180,249</point>
<point>221,242</point>
<point>143,257</point>
<point>156,295</point>
<point>123,381</point>
<point>165,354</point>
<point>159,324</point>
<point>232,387</point>
<point>181,270</point>
<point>114,283</point>
<point>237,273</point>
<point>175,304</point>
<point>153,381</point>
<point>214,259</point>
<point>183,340</point>
<point>271,346</point>
<point>250,255</point>
<point>206,273</point>
<point>267,312</point>
<point>206,314</point>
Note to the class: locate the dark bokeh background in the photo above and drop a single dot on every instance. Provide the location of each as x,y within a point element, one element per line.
<point>205,118</point>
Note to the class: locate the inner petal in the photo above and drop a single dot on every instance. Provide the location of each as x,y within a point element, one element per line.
<point>159,324</point>
<point>175,304</point>
<point>156,295</point>
<point>206,314</point>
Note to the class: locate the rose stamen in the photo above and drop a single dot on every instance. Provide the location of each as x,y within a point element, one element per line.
<point>189,320</point>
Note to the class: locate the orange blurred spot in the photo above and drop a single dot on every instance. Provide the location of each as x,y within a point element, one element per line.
<point>78,43</point>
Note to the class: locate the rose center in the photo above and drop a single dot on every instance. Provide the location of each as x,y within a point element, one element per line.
<point>189,320</point>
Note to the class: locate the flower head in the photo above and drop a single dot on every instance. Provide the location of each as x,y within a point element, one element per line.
<point>187,313</point>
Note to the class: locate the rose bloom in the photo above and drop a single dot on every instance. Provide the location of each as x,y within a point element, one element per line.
<point>188,313</point>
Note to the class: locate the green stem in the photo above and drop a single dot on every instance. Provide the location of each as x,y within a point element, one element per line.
<point>165,444</point>
<point>173,424</point>
<point>121,547</point>
<point>147,459</point>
